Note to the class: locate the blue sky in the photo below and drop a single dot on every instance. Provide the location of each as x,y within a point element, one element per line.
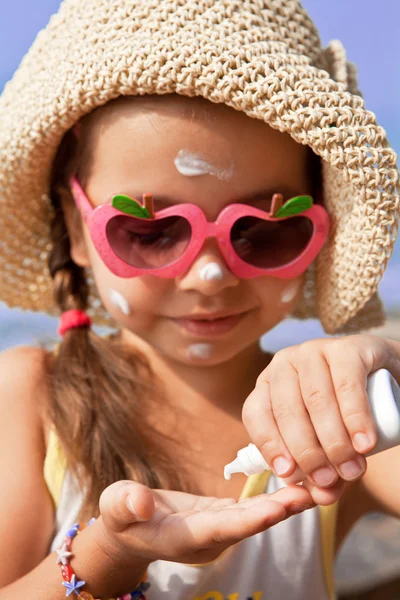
<point>368,29</point>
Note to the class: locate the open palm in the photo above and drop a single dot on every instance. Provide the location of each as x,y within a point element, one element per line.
<point>187,528</point>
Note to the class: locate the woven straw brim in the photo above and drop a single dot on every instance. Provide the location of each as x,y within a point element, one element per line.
<point>262,58</point>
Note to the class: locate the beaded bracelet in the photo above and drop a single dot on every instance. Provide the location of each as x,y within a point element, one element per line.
<point>72,583</point>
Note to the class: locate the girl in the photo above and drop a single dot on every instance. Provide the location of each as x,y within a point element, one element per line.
<point>190,173</point>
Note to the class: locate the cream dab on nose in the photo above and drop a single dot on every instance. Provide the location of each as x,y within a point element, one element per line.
<point>192,164</point>
<point>289,292</point>
<point>120,302</point>
<point>199,351</point>
<point>211,271</point>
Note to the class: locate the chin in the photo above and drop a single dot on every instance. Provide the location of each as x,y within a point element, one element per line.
<point>206,353</point>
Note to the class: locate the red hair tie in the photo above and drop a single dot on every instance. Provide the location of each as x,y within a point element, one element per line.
<point>73,318</point>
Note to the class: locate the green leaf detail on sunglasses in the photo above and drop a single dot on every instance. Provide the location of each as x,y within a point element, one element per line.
<point>130,207</point>
<point>294,206</point>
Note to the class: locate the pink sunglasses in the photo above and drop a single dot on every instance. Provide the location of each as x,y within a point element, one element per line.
<point>133,240</point>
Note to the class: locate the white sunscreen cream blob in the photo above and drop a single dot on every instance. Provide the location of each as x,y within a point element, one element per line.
<point>384,398</point>
<point>199,351</point>
<point>193,165</point>
<point>120,302</point>
<point>211,271</point>
<point>289,292</point>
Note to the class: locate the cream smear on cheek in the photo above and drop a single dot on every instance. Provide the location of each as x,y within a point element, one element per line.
<point>191,164</point>
<point>289,293</point>
<point>211,271</point>
<point>120,302</point>
<point>199,351</point>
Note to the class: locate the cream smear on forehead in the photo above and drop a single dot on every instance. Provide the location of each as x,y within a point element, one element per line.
<point>191,164</point>
<point>289,292</point>
<point>211,271</point>
<point>120,302</point>
<point>199,351</point>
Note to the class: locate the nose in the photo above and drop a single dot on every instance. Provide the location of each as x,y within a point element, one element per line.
<point>208,274</point>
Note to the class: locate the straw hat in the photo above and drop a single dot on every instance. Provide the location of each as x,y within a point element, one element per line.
<point>262,57</point>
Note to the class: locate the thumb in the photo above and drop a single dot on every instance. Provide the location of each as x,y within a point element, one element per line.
<point>125,502</point>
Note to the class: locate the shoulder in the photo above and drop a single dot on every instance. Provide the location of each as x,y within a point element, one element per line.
<point>30,355</point>
<point>23,367</point>
<point>24,383</point>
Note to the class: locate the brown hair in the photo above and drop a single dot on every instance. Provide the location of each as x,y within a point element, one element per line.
<point>101,390</point>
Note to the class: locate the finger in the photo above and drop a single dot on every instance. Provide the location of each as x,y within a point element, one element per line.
<point>126,502</point>
<point>320,400</point>
<point>297,477</point>
<point>233,524</point>
<point>252,515</point>
<point>184,502</point>
<point>291,497</point>
<point>260,423</point>
<point>325,496</point>
<point>222,503</point>
<point>349,376</point>
<point>295,498</point>
<point>296,428</point>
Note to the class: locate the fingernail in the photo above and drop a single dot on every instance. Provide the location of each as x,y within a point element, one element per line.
<point>132,510</point>
<point>350,469</point>
<point>361,442</point>
<point>281,465</point>
<point>324,476</point>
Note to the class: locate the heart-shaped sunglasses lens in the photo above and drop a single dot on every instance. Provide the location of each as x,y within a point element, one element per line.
<point>270,244</point>
<point>148,244</point>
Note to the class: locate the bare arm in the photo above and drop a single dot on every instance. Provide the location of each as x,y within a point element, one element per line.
<point>379,489</point>
<point>26,508</point>
<point>91,564</point>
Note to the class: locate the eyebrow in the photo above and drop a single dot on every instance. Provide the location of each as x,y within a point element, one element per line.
<point>287,192</point>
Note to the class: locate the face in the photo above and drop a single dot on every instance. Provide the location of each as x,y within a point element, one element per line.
<point>184,150</point>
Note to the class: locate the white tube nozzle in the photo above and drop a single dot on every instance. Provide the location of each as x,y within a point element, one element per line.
<point>249,461</point>
<point>233,467</point>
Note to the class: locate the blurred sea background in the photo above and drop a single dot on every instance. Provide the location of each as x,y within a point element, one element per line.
<point>370,34</point>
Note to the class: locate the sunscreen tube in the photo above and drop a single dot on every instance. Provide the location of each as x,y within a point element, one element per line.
<point>384,398</point>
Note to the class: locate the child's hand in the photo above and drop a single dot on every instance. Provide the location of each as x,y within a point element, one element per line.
<point>310,409</point>
<point>185,528</point>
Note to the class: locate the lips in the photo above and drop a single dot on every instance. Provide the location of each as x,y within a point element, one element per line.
<point>209,316</point>
<point>212,324</point>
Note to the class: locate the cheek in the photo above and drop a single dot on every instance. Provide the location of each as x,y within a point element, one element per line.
<point>135,300</point>
<point>277,297</point>
<point>120,301</point>
<point>290,291</point>
<point>146,295</point>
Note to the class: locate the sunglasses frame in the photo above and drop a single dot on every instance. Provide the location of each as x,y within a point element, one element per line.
<point>97,219</point>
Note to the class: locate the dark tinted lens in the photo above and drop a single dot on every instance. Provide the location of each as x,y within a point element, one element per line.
<point>270,244</point>
<point>148,244</point>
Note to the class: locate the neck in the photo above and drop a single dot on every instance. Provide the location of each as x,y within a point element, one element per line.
<point>223,387</point>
